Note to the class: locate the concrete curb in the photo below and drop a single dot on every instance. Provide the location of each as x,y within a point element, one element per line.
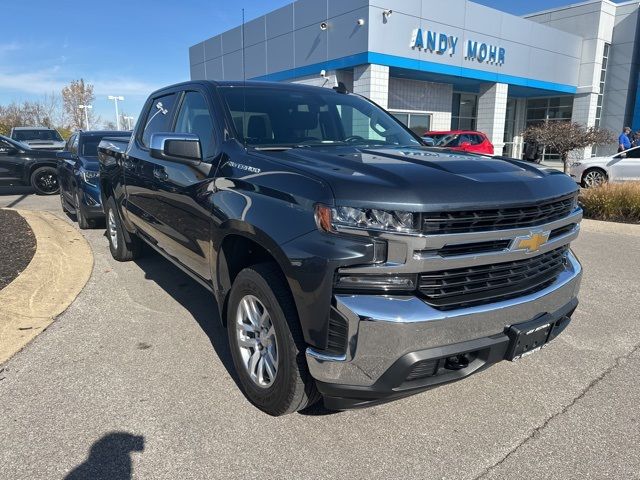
<point>60,268</point>
<point>600,226</point>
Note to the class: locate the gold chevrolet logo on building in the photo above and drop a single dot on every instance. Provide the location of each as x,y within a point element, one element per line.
<point>532,242</point>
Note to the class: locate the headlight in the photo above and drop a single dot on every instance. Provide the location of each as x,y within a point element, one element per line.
<point>330,219</point>
<point>575,164</point>
<point>92,178</point>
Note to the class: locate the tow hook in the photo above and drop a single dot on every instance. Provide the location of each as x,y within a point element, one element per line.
<point>457,362</point>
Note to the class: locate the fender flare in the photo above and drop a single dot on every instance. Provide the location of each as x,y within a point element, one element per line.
<point>220,273</point>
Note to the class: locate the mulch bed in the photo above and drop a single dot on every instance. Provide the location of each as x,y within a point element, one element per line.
<point>17,246</point>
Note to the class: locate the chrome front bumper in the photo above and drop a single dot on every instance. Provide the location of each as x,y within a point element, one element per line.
<point>381,329</point>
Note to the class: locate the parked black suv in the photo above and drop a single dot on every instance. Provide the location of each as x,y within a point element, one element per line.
<point>22,165</point>
<point>347,259</point>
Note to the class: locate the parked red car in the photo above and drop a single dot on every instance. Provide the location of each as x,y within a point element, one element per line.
<point>463,140</point>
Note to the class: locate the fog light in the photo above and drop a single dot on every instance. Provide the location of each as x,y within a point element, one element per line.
<point>376,282</point>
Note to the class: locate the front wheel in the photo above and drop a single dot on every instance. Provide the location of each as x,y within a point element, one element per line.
<point>594,178</point>
<point>44,181</point>
<point>266,342</point>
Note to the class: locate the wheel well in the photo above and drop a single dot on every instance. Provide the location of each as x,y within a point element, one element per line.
<point>237,253</point>
<point>39,165</point>
<point>591,169</point>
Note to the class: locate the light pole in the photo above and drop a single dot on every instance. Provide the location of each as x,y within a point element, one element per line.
<point>86,112</point>
<point>129,122</point>
<point>115,99</point>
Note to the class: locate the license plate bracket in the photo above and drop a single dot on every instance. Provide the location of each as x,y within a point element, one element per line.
<point>528,337</point>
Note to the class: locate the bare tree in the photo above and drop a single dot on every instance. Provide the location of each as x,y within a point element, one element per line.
<point>565,137</point>
<point>73,95</point>
<point>44,112</point>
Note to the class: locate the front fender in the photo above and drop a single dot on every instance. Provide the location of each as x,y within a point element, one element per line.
<point>308,262</point>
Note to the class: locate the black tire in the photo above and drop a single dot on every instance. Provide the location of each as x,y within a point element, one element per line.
<point>63,204</point>
<point>594,177</point>
<point>44,181</point>
<point>293,388</point>
<point>124,246</point>
<point>83,222</point>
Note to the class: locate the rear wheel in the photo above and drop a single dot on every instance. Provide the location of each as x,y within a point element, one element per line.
<point>44,181</point>
<point>266,342</point>
<point>63,203</point>
<point>124,246</point>
<point>594,178</point>
<point>83,222</point>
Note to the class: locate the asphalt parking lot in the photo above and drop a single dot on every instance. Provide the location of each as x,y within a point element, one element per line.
<point>136,375</point>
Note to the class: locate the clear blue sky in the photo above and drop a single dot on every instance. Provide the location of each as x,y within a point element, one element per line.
<point>125,47</point>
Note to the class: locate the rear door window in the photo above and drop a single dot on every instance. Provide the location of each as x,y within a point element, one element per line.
<point>159,117</point>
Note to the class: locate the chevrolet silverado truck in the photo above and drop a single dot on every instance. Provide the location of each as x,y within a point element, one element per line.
<point>349,261</point>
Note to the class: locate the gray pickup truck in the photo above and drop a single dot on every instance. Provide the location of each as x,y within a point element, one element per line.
<point>349,261</point>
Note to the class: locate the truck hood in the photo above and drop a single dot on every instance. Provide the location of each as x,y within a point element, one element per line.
<point>417,178</point>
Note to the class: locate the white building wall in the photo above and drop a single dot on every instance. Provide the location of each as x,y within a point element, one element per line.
<point>595,22</point>
<point>492,111</point>
<point>424,97</point>
<point>372,81</point>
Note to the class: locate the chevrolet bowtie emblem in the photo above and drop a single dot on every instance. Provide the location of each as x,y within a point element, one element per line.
<point>532,242</point>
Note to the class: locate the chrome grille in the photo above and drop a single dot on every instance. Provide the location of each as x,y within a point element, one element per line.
<point>483,284</point>
<point>440,223</point>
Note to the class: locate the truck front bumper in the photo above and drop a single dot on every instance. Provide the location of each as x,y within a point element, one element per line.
<point>399,345</point>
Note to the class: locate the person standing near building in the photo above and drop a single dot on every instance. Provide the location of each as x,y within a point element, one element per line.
<point>623,140</point>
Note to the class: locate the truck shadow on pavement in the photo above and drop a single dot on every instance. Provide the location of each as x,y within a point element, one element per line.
<point>109,458</point>
<point>202,306</point>
<point>194,297</point>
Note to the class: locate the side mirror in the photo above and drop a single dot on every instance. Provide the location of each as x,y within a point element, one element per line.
<point>8,151</point>
<point>465,144</point>
<point>176,147</point>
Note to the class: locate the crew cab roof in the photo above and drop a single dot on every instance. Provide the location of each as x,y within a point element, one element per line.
<point>241,83</point>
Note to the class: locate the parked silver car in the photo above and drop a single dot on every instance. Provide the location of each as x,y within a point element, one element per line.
<point>39,138</point>
<point>620,167</point>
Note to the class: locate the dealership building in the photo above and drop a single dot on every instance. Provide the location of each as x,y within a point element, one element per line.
<point>448,65</point>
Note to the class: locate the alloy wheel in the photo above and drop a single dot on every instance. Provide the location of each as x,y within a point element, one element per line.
<point>47,181</point>
<point>257,342</point>
<point>594,178</point>
<point>113,229</point>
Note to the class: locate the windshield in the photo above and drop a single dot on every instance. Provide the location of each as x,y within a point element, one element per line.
<point>281,117</point>
<point>36,134</point>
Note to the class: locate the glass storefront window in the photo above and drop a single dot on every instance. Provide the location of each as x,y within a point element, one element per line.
<point>555,109</point>
<point>603,78</point>
<point>418,122</point>
<point>464,111</point>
